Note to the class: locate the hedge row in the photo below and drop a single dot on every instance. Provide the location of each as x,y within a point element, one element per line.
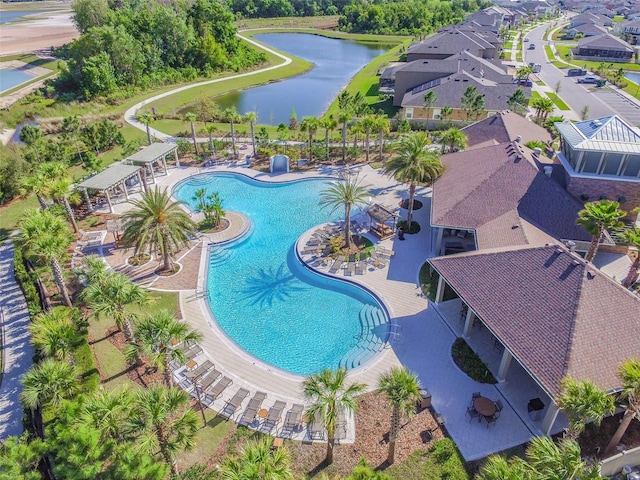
<point>27,281</point>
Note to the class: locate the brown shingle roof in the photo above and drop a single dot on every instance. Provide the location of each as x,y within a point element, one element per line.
<point>504,126</point>
<point>491,189</point>
<point>557,315</point>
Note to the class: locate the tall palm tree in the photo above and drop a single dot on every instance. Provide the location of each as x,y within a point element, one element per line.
<point>59,187</point>
<point>517,101</point>
<point>258,461</point>
<point>446,112</point>
<point>402,388</point>
<point>233,117</point>
<point>596,217</point>
<point>48,383</point>
<point>156,335</point>
<point>54,333</point>
<point>430,98</point>
<point>346,192</point>
<point>47,237</point>
<point>110,295</point>
<point>329,123</point>
<point>383,126</point>
<point>368,125</point>
<point>108,411</point>
<point>543,107</point>
<point>146,119</point>
<point>35,184</point>
<point>414,164</point>
<point>523,73</point>
<point>328,397</point>
<point>631,237</point>
<point>582,401</point>
<point>191,118</point>
<point>155,223</point>
<point>310,125</point>
<point>165,422</point>
<point>210,128</point>
<point>252,118</point>
<point>453,138</point>
<point>344,117</point>
<point>629,374</point>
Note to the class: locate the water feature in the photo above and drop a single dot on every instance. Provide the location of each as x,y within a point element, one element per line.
<point>279,163</point>
<point>633,76</point>
<point>310,94</point>
<point>265,300</point>
<point>6,17</point>
<point>12,77</point>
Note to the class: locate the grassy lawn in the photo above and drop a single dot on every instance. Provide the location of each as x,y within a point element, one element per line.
<point>549,52</point>
<point>507,45</point>
<point>207,439</point>
<point>534,95</point>
<point>10,214</point>
<point>442,460</point>
<point>287,22</point>
<point>558,101</point>
<point>541,83</point>
<point>519,56</point>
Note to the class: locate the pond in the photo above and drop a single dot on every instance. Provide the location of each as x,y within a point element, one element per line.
<point>310,94</point>
<point>633,76</point>
<point>12,77</point>
<point>6,17</point>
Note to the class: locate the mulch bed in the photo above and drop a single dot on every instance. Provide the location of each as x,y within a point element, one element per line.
<point>417,204</point>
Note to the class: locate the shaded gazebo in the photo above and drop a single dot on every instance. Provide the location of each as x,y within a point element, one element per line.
<point>109,179</point>
<point>154,153</point>
<point>383,221</point>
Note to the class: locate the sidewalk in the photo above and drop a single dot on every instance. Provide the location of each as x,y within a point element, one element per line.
<point>17,351</point>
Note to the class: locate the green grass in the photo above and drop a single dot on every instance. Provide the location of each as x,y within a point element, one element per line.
<point>558,101</point>
<point>507,45</point>
<point>10,214</point>
<point>207,439</point>
<point>549,52</point>
<point>541,83</point>
<point>519,56</point>
<point>159,301</point>
<point>441,460</point>
<point>534,95</point>
<point>618,18</point>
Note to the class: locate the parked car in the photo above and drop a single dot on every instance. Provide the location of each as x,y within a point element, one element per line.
<point>526,39</point>
<point>576,72</point>
<point>588,80</point>
<point>532,46</point>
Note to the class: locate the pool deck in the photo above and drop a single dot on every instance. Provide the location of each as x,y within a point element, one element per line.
<point>423,344</point>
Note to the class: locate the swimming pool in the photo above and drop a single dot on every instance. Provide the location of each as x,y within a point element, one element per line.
<point>265,300</point>
<point>12,77</point>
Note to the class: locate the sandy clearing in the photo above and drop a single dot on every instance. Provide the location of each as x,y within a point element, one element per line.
<point>39,34</point>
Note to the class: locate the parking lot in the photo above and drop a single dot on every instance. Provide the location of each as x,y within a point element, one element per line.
<point>620,104</point>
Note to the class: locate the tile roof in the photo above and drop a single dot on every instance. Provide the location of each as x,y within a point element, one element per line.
<point>464,60</point>
<point>609,133</point>
<point>494,188</point>
<point>504,126</point>
<point>557,315</point>
<point>604,41</point>
<point>450,42</point>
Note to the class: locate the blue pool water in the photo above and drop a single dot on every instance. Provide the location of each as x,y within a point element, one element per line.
<point>265,300</point>
<point>11,77</point>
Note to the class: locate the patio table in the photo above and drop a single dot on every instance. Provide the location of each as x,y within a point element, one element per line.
<point>484,406</point>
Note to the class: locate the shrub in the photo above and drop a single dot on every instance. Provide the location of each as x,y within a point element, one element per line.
<point>27,281</point>
<point>470,363</point>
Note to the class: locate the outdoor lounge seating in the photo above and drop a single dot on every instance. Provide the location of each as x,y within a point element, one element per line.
<point>216,390</point>
<point>293,420</point>
<point>234,403</point>
<point>316,430</point>
<point>337,264</point>
<point>472,412</point>
<point>275,413</point>
<point>351,269</point>
<point>201,370</point>
<point>249,415</point>
<point>192,351</point>
<point>361,267</point>
<point>209,379</point>
<point>378,261</point>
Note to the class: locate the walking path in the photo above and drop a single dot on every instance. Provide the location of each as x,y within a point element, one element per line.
<point>17,352</point>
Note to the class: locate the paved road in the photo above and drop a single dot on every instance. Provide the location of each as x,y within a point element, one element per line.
<point>601,102</point>
<point>18,352</point>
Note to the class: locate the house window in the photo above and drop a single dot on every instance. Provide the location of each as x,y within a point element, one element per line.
<point>408,113</point>
<point>611,163</point>
<point>632,166</point>
<point>591,162</point>
<point>436,113</point>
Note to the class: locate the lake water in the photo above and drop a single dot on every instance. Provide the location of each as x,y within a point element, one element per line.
<point>6,17</point>
<point>11,77</point>
<point>310,94</point>
<point>633,76</point>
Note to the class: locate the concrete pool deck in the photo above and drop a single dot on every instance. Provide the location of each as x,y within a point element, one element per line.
<point>423,344</point>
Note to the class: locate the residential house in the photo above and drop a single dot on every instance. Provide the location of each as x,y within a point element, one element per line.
<point>450,42</point>
<point>590,17</point>
<point>585,30</point>
<point>629,30</point>
<point>505,126</point>
<point>601,159</point>
<point>603,48</point>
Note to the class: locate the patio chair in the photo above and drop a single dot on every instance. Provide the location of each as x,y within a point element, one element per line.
<point>492,419</point>
<point>193,351</point>
<point>275,413</point>
<point>209,379</point>
<point>316,430</point>
<point>378,261</point>
<point>499,407</point>
<point>232,405</point>
<point>201,370</point>
<point>337,264</point>
<point>293,420</point>
<point>216,390</point>
<point>351,269</point>
<point>361,267</point>
<point>249,415</point>
<point>473,413</point>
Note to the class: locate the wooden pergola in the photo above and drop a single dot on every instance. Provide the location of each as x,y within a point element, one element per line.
<point>156,152</point>
<point>106,181</point>
<point>380,216</point>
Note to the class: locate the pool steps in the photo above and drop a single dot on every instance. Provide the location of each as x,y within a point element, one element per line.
<point>373,322</point>
<point>219,255</point>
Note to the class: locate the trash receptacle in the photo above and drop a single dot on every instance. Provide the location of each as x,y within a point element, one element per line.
<point>425,399</point>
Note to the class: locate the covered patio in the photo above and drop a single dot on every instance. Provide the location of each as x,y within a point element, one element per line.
<point>156,153</point>
<point>108,181</point>
<point>383,221</point>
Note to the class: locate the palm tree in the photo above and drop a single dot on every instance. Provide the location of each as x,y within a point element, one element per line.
<point>523,73</point>
<point>110,295</point>
<point>191,118</point>
<point>518,101</point>
<point>329,123</point>
<point>35,184</point>
<point>344,117</point>
<point>155,223</point>
<point>258,461</point>
<point>156,335</point>
<point>582,401</point>
<point>402,389</point>
<point>596,217</point>
<point>210,128</point>
<point>165,422</point>
<point>629,374</point>
<point>346,192</point>
<point>232,117</point>
<point>362,471</point>
<point>498,467</point>
<point>446,112</point>
<point>328,397</point>
<point>59,186</point>
<point>454,138</point>
<point>472,102</point>
<point>108,411</point>
<point>146,119</point>
<point>383,126</point>
<point>414,164</point>
<point>310,125</point>
<point>48,383</point>
<point>368,125</point>
<point>47,237</point>
<point>543,107</point>
<point>429,99</point>
<point>54,333</point>
<point>252,118</point>
<point>631,237</point>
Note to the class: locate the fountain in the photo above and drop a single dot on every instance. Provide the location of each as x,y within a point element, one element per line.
<point>279,163</point>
